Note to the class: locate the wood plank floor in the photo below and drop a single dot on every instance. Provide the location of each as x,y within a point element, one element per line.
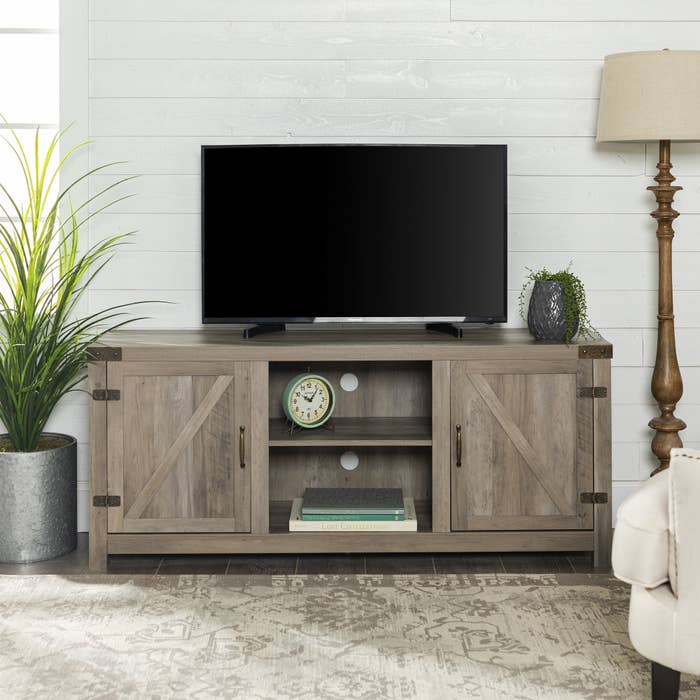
<point>547,562</point>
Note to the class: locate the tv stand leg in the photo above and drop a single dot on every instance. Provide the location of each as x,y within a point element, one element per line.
<point>449,328</point>
<point>265,328</point>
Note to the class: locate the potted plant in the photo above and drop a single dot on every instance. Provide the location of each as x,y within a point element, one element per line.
<point>44,273</point>
<point>557,309</point>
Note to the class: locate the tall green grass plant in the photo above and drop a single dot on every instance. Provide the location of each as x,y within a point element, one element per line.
<point>44,274</point>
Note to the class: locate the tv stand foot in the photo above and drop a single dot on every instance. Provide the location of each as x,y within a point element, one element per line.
<point>449,328</point>
<point>265,328</point>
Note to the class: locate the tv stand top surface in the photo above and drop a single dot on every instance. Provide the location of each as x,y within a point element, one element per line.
<point>344,343</point>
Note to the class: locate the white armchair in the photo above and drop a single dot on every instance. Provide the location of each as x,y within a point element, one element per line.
<point>656,548</point>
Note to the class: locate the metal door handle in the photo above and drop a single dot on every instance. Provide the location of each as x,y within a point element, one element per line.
<point>241,445</point>
<point>459,445</point>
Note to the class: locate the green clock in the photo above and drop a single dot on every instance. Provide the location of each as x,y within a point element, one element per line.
<point>308,400</point>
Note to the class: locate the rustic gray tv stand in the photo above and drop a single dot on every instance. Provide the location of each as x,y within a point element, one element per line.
<point>503,442</point>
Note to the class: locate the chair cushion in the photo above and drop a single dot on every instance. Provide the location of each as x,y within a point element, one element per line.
<point>659,631</point>
<point>640,552</point>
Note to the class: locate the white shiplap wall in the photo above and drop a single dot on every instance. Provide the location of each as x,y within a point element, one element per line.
<point>166,76</point>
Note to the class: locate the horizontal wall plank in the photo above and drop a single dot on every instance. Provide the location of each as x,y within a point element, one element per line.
<point>627,344</point>
<point>637,309</point>
<point>166,232</point>
<point>277,10</point>
<point>339,78</point>
<point>597,232</point>
<point>176,194</point>
<point>588,11</point>
<point>490,79</point>
<point>687,345</point>
<point>165,308</point>
<point>629,422</point>
<point>604,271</point>
<point>527,232</point>
<point>151,271</point>
<point>624,271</point>
<point>217,79</point>
<point>341,117</point>
<point>609,272</point>
<point>526,155</point>
<point>685,158</point>
<point>622,310</point>
<point>615,195</point>
<point>632,385</point>
<point>534,233</point>
<point>625,461</point>
<point>629,309</point>
<point>527,195</point>
<point>374,40</point>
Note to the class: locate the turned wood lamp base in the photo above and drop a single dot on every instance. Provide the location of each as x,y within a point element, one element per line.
<point>666,383</point>
<point>650,96</point>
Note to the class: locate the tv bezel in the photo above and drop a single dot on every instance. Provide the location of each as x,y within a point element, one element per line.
<point>350,319</point>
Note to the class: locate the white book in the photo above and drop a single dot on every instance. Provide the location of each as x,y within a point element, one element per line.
<point>410,524</point>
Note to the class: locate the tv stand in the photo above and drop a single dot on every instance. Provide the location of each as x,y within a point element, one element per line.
<point>263,329</point>
<point>502,442</point>
<point>449,328</point>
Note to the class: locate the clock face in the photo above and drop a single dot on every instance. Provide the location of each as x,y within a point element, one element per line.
<point>309,401</point>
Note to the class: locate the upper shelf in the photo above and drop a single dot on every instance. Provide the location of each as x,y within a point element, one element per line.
<point>359,432</point>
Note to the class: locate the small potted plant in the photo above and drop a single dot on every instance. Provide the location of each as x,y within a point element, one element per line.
<point>557,308</point>
<point>44,273</point>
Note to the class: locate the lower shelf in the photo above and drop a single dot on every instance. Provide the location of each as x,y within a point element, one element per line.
<point>334,543</point>
<point>279,521</point>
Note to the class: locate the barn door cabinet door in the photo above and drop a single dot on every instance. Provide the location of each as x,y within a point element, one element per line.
<point>522,445</point>
<point>178,451</point>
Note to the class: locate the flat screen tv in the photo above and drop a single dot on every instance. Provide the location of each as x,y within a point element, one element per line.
<point>309,233</point>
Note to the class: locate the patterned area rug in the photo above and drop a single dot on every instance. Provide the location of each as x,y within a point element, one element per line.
<point>327,637</point>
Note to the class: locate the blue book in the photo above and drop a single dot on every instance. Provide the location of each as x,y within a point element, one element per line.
<point>349,501</point>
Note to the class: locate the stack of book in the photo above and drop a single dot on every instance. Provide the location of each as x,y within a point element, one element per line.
<point>375,510</point>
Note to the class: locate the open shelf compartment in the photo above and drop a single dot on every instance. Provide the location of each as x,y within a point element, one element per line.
<point>292,471</point>
<point>386,421</point>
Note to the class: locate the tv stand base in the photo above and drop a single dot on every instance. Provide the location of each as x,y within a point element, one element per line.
<point>265,328</point>
<point>449,328</point>
<point>417,388</point>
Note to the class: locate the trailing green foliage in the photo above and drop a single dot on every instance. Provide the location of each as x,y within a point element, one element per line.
<point>43,276</point>
<point>575,306</point>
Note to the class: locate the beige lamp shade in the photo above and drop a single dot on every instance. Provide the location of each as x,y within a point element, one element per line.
<point>650,96</point>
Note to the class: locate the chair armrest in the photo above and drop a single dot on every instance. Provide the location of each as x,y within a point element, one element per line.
<point>640,552</point>
<point>684,525</point>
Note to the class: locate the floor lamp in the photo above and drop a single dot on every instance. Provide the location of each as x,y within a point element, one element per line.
<point>655,96</point>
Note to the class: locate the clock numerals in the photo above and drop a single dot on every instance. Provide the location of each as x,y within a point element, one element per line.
<point>310,402</point>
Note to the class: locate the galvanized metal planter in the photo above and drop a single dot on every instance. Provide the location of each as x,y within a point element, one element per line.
<point>38,509</point>
<point>546,315</point>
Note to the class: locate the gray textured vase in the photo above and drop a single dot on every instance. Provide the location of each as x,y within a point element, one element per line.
<point>546,315</point>
<point>38,509</point>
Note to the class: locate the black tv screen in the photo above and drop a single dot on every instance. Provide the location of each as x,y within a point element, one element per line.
<point>297,233</point>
